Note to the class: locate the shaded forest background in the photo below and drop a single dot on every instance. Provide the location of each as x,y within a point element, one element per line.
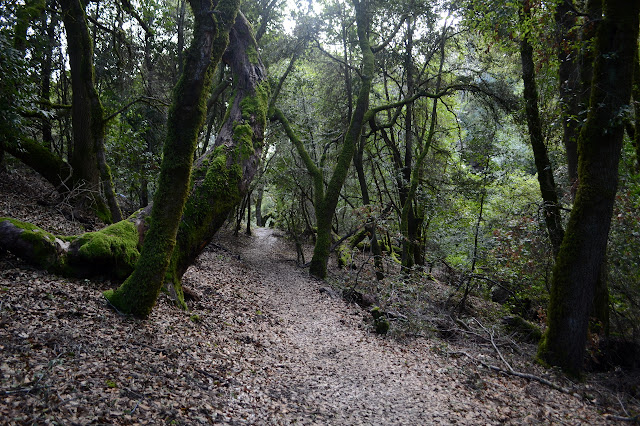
<point>408,139</point>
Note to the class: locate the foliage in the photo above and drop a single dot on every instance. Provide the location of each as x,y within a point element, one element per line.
<point>622,256</point>
<point>15,93</point>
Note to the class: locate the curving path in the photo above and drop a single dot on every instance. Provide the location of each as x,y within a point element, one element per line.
<point>315,361</point>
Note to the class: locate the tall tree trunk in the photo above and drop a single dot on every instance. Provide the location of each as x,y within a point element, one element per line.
<point>326,207</point>
<point>574,74</point>
<point>366,201</point>
<point>248,229</point>
<point>258,207</point>
<point>635,137</point>
<point>569,84</point>
<point>89,128</point>
<point>182,5</point>
<point>46,66</point>
<point>416,170</point>
<point>583,249</point>
<point>551,206</point>
<point>138,294</point>
<point>220,178</point>
<point>409,240</point>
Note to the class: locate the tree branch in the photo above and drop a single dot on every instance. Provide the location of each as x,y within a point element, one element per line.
<point>338,60</point>
<point>144,99</point>
<point>376,49</point>
<point>128,7</point>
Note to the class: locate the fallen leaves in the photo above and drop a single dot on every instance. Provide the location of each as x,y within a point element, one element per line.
<point>261,345</point>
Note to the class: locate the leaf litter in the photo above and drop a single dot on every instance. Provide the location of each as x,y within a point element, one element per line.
<point>261,344</point>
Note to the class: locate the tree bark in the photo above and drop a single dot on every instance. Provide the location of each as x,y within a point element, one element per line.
<point>366,201</point>
<point>258,206</point>
<point>569,84</point>
<point>583,249</point>
<point>180,12</point>
<point>551,205</point>
<point>89,128</point>
<point>409,243</point>
<point>326,207</point>
<point>635,137</point>
<point>46,66</point>
<point>138,294</point>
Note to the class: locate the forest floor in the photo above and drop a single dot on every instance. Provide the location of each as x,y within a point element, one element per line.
<point>263,343</point>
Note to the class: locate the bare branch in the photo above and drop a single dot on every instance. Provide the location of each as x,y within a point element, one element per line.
<point>143,99</point>
<point>376,49</point>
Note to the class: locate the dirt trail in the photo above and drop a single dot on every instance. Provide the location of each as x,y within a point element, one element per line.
<point>260,345</point>
<point>325,366</point>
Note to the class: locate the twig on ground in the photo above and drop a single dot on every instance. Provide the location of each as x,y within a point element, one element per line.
<point>493,343</point>
<point>519,374</point>
<point>634,419</point>
<point>135,407</point>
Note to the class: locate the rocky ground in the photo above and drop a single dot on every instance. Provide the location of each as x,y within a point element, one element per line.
<point>263,343</point>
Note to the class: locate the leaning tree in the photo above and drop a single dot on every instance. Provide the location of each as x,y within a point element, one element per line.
<point>212,186</point>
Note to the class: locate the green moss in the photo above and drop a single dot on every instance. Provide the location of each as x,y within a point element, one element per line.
<point>243,136</point>
<point>529,332</point>
<point>214,194</point>
<point>255,107</point>
<point>114,248</point>
<point>102,212</point>
<point>252,54</point>
<point>45,252</point>
<point>344,255</point>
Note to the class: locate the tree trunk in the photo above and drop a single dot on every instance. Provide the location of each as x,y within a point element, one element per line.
<point>366,201</point>
<point>327,207</point>
<point>410,242</point>
<point>569,84</point>
<point>574,73</point>
<point>89,128</point>
<point>258,207</point>
<point>635,137</point>
<point>248,230</point>
<point>36,156</point>
<point>583,249</point>
<point>46,66</point>
<point>138,294</point>
<point>551,206</point>
<point>182,5</point>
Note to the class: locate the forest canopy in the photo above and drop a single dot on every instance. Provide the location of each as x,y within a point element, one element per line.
<point>494,142</point>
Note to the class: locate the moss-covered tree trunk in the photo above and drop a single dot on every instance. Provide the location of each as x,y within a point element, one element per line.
<point>583,249</point>
<point>569,83</point>
<point>551,205</point>
<point>376,250</point>
<point>327,207</point>
<point>416,171</point>
<point>89,128</point>
<point>219,180</point>
<point>575,64</point>
<point>138,294</point>
<point>223,175</point>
